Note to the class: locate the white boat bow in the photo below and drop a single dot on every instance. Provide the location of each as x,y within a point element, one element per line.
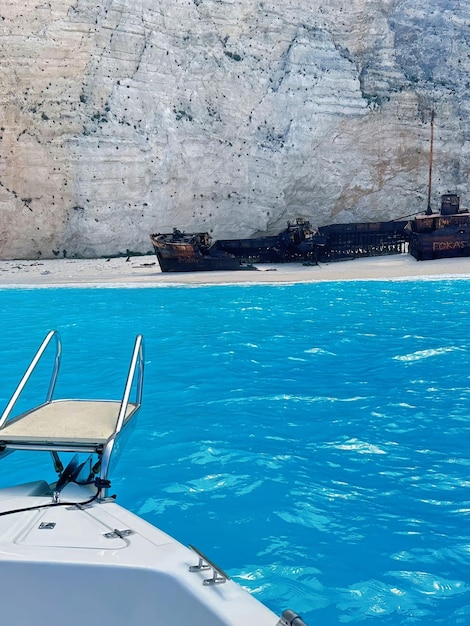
<point>69,554</point>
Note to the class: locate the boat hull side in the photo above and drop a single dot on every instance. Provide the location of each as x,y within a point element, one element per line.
<point>440,237</point>
<point>101,564</point>
<point>192,261</point>
<point>425,247</point>
<point>53,594</point>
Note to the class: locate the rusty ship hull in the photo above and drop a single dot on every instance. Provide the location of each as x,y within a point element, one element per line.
<point>441,236</point>
<point>194,252</point>
<point>299,241</point>
<point>180,252</point>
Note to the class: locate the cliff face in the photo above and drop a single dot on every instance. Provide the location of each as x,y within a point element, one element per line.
<point>119,119</point>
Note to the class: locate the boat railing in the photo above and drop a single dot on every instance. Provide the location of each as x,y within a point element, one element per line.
<point>72,425</point>
<point>136,367</point>
<point>204,563</point>
<point>53,334</point>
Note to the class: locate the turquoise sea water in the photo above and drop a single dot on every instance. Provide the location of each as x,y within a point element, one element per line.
<point>312,439</point>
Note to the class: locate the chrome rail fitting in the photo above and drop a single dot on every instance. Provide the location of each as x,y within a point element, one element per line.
<point>218,575</point>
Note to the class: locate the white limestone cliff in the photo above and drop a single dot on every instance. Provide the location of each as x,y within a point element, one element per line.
<point>127,117</point>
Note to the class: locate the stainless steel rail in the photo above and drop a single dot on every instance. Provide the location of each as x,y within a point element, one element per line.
<point>136,365</point>
<point>26,376</point>
<point>218,574</point>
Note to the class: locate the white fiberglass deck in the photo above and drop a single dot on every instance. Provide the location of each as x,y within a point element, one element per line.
<point>67,565</point>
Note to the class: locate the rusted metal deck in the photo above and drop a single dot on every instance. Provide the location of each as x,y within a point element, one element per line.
<point>362,239</point>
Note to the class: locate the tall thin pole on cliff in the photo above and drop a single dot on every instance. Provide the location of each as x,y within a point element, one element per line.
<point>429,210</point>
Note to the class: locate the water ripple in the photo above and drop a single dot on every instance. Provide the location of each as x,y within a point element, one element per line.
<point>312,439</point>
<point>426,354</point>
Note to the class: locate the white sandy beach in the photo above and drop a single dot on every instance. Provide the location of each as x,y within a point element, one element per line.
<point>145,271</point>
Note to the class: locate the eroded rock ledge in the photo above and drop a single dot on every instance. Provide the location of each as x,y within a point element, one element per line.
<point>125,118</point>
